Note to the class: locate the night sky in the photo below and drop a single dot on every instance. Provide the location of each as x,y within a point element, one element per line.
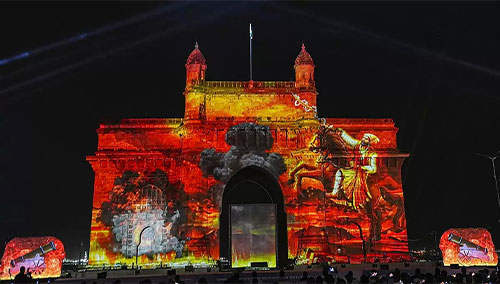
<point>433,68</point>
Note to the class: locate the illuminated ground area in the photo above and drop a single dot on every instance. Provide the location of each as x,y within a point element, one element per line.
<point>292,276</point>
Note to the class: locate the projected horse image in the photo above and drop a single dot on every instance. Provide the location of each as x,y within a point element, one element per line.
<point>347,169</point>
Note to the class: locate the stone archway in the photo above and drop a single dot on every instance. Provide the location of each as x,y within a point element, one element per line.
<point>254,185</point>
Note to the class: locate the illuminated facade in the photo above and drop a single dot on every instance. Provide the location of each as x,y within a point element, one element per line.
<point>239,145</point>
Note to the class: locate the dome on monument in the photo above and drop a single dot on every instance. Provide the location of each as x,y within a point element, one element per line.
<point>304,58</point>
<point>196,57</point>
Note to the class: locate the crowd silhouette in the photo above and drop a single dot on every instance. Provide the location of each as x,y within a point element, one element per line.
<point>328,276</point>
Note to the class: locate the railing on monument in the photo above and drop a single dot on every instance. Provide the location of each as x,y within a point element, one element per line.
<point>246,84</point>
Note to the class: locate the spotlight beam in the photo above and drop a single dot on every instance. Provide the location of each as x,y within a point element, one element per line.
<point>86,35</point>
<point>388,42</point>
<point>103,55</point>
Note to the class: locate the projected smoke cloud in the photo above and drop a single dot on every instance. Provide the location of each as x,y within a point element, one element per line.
<point>139,202</point>
<point>253,234</point>
<point>249,142</point>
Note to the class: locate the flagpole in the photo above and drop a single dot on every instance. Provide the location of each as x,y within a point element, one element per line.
<point>251,37</point>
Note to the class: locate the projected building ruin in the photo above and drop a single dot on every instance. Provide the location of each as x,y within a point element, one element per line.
<point>176,179</point>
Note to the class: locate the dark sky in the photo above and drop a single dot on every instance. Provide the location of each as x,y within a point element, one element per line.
<point>433,68</point>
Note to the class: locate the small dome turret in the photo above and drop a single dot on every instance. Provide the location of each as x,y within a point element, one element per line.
<point>196,57</point>
<point>196,67</point>
<point>304,69</point>
<point>304,58</point>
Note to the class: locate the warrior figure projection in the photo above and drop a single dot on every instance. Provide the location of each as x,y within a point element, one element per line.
<point>352,180</point>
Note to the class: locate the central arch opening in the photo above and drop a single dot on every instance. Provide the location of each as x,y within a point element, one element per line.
<point>253,219</point>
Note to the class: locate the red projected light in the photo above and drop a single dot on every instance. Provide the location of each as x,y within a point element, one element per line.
<point>468,247</point>
<point>169,178</point>
<point>41,257</point>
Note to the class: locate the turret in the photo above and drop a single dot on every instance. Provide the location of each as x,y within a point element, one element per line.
<point>195,67</point>
<point>304,69</point>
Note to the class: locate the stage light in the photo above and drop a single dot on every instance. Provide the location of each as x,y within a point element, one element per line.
<point>468,247</point>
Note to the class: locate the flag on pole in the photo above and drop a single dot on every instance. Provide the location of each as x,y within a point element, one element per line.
<point>250,41</point>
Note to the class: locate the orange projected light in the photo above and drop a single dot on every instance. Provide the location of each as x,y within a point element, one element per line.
<point>468,247</point>
<point>41,257</point>
<point>168,177</point>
